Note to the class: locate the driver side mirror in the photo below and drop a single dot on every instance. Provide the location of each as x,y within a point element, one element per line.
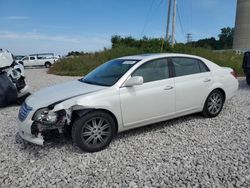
<point>133,81</point>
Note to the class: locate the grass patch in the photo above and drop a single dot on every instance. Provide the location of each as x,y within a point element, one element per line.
<point>83,64</point>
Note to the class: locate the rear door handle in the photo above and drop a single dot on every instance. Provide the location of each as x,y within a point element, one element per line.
<point>168,87</point>
<point>207,80</point>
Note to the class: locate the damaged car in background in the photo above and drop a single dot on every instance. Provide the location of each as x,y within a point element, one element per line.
<point>13,88</point>
<point>126,93</point>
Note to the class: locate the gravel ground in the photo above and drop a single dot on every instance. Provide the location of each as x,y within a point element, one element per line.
<point>185,152</point>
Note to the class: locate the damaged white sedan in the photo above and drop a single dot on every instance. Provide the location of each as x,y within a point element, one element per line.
<point>126,93</point>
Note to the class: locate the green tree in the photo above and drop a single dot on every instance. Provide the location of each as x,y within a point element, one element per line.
<point>226,38</point>
<point>209,43</point>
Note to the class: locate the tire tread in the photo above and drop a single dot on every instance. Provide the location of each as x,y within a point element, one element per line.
<point>205,111</point>
<point>77,127</point>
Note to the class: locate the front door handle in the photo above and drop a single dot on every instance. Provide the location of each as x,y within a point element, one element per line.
<point>207,80</point>
<point>168,87</point>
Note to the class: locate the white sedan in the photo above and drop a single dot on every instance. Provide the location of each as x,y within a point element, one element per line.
<point>125,93</point>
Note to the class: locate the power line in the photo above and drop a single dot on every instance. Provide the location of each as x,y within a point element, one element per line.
<point>168,19</point>
<point>173,23</point>
<point>165,36</point>
<point>178,13</point>
<point>148,14</point>
<point>160,2</point>
<point>191,15</point>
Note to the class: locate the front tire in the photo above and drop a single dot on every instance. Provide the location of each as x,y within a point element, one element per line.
<point>214,104</point>
<point>94,131</point>
<point>248,79</point>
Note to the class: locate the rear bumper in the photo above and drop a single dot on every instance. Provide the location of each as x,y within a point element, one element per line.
<point>232,89</point>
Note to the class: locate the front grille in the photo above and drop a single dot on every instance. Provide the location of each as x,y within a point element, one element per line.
<point>24,111</point>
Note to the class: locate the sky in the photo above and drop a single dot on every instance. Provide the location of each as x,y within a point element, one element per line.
<point>60,26</point>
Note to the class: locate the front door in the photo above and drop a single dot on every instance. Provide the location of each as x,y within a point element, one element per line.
<point>152,101</point>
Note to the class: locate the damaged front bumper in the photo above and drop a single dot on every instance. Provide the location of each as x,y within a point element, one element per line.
<point>25,132</point>
<point>32,138</point>
<point>34,131</point>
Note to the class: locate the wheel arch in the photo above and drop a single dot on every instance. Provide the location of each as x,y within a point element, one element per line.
<point>219,86</point>
<point>222,91</point>
<point>80,113</point>
<point>213,89</point>
<point>205,110</point>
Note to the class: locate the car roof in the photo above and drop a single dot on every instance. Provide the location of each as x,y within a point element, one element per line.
<point>157,55</point>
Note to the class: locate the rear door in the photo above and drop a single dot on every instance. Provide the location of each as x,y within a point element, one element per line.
<point>192,82</point>
<point>151,101</point>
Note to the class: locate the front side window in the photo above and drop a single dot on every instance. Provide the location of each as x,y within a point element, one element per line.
<point>153,70</point>
<point>186,66</point>
<point>26,58</point>
<point>109,73</point>
<point>32,58</point>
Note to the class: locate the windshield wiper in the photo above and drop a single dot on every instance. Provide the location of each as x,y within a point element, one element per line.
<point>92,83</point>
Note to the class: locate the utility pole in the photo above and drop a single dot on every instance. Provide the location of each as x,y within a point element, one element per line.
<point>173,23</point>
<point>168,19</point>
<point>189,37</point>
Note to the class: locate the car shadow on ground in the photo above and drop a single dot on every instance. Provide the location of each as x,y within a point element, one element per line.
<point>53,143</point>
<point>158,127</point>
<point>65,143</point>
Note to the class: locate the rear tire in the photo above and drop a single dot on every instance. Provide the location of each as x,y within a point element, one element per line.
<point>94,131</point>
<point>47,65</point>
<point>248,79</point>
<point>214,104</point>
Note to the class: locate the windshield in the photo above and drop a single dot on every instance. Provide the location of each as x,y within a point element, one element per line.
<point>109,73</point>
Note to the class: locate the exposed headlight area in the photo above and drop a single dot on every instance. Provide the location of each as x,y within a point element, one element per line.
<point>46,119</point>
<point>46,116</point>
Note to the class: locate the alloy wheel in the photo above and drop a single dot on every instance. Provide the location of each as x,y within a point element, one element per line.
<point>96,132</point>
<point>215,103</point>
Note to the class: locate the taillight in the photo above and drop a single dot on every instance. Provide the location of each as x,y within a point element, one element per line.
<point>234,74</point>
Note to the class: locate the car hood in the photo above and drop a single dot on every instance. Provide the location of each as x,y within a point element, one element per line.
<point>60,92</point>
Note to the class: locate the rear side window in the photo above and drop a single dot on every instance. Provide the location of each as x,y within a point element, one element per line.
<point>187,66</point>
<point>153,70</point>
<point>203,67</point>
